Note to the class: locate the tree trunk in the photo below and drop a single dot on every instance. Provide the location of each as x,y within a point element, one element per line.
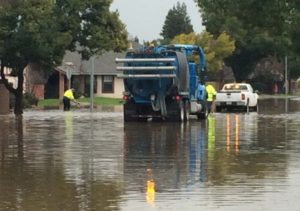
<point>18,92</point>
<point>18,110</point>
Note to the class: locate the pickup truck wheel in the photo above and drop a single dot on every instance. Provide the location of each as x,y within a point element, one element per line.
<point>255,108</point>
<point>247,106</point>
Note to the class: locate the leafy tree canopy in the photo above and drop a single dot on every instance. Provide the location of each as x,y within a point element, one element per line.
<point>260,28</point>
<point>177,22</point>
<point>39,31</point>
<point>215,49</point>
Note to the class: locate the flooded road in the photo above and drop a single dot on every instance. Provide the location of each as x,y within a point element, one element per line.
<point>53,160</point>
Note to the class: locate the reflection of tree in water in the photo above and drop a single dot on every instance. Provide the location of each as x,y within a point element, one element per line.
<point>11,138</point>
<point>49,190</point>
<point>4,128</point>
<point>32,176</point>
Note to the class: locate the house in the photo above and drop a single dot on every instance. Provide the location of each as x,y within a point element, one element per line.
<point>76,73</point>
<point>12,80</point>
<point>106,82</point>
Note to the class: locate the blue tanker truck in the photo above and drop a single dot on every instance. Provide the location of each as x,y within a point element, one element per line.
<point>164,83</point>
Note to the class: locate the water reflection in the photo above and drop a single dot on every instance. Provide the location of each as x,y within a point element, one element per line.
<point>232,127</point>
<point>279,105</point>
<point>50,161</point>
<point>150,193</point>
<point>11,129</point>
<point>54,160</point>
<point>227,150</point>
<point>211,139</point>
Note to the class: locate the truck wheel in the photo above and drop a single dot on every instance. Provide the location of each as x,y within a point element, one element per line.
<point>128,111</point>
<point>181,111</point>
<point>128,118</point>
<point>255,108</point>
<point>247,106</point>
<point>204,114</point>
<point>176,112</point>
<point>186,110</point>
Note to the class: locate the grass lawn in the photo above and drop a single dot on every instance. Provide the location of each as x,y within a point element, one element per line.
<point>97,101</point>
<point>103,101</point>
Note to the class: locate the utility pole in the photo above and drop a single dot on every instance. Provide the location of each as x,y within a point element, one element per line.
<point>286,77</point>
<point>92,84</point>
<point>69,66</point>
<point>286,84</point>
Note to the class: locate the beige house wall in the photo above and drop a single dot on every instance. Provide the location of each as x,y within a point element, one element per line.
<point>37,89</point>
<point>118,88</point>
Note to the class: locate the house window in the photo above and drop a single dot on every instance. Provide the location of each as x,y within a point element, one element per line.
<point>107,84</point>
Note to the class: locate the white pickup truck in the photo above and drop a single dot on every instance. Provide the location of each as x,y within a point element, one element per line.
<point>235,96</point>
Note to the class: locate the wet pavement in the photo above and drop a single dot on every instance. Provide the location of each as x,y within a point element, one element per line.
<point>54,160</point>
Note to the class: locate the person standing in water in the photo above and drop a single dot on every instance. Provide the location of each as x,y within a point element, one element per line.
<point>210,97</point>
<point>68,97</point>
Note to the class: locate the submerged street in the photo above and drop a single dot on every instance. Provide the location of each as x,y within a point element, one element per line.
<point>54,160</point>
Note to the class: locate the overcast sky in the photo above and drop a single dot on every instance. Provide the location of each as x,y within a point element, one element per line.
<point>145,18</point>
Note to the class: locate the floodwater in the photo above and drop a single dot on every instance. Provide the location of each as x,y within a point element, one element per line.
<point>53,160</point>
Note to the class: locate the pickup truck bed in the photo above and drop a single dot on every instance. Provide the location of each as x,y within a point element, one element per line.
<point>236,96</point>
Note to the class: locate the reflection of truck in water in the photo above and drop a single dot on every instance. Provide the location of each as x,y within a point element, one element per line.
<point>162,83</point>
<point>165,156</point>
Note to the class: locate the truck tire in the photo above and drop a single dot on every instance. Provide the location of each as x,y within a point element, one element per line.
<point>129,111</point>
<point>181,112</point>
<point>255,108</point>
<point>129,118</point>
<point>176,112</point>
<point>204,113</point>
<point>186,110</point>
<point>247,106</point>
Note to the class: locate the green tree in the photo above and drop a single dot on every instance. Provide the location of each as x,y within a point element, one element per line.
<point>215,49</point>
<point>40,32</point>
<point>177,22</point>
<point>294,60</point>
<point>260,28</point>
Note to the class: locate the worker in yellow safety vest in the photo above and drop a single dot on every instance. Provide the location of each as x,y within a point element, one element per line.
<point>68,97</point>
<point>210,96</point>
